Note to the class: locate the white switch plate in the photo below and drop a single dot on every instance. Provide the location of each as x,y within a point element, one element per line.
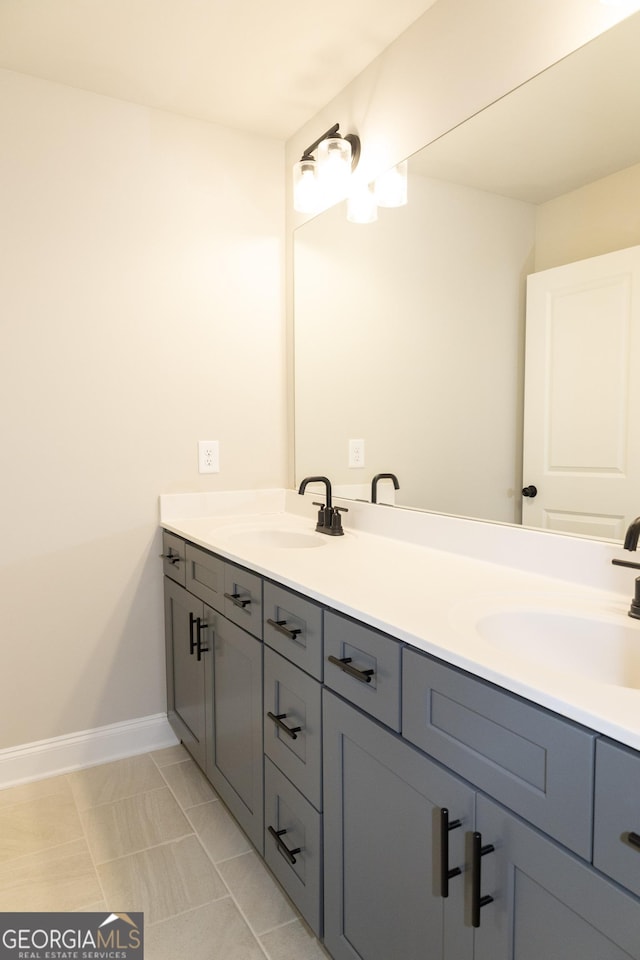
<point>208,456</point>
<point>356,453</point>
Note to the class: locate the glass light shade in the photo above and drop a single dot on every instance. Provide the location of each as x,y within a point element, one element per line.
<point>361,204</point>
<point>306,187</point>
<point>334,167</point>
<point>391,187</point>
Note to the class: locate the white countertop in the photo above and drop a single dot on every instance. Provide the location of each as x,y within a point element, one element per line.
<point>431,597</point>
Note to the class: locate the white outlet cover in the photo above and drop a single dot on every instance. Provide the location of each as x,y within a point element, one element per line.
<point>356,454</point>
<point>208,456</point>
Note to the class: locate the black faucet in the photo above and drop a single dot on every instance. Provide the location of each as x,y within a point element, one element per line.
<point>382,476</point>
<point>329,519</point>
<point>631,539</point>
<point>631,543</point>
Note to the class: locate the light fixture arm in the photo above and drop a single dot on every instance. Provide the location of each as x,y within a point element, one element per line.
<point>331,132</point>
<point>334,131</point>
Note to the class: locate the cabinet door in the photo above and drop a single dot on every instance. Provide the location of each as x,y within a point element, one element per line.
<point>188,679</point>
<point>293,699</point>
<point>292,844</point>
<point>383,852</point>
<point>546,902</point>
<point>235,762</point>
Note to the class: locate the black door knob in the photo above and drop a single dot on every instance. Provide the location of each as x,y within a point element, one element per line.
<point>530,491</point>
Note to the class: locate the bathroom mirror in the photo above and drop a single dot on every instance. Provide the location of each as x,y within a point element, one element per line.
<point>410,332</point>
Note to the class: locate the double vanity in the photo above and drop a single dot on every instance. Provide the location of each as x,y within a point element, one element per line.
<point>430,737</point>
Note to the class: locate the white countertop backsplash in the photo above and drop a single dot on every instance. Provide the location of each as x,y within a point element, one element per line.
<point>422,578</point>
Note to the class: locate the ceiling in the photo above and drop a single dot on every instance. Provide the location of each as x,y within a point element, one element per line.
<point>263,66</point>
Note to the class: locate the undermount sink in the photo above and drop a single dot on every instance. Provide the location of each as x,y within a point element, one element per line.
<point>281,539</point>
<point>604,650</point>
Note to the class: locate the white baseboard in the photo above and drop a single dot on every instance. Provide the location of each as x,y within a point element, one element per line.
<point>48,758</point>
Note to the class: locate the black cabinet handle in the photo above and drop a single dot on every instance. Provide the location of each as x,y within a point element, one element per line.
<point>634,839</point>
<point>278,718</point>
<point>445,873</point>
<point>280,626</point>
<point>477,900</point>
<point>200,626</point>
<point>171,557</point>
<point>345,664</point>
<point>282,847</point>
<point>237,602</point>
<point>192,642</point>
<point>530,491</point>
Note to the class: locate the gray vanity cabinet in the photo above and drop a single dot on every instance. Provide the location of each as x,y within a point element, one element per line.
<point>173,557</point>
<point>616,839</point>
<point>235,765</point>
<point>408,808</point>
<point>189,678</point>
<point>214,674</point>
<point>547,904</point>
<point>293,636</point>
<point>383,845</point>
<point>534,762</point>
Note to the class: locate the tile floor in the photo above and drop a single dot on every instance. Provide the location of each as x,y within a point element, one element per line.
<point>148,833</point>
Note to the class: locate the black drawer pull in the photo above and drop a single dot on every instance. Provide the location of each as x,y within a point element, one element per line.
<point>477,900</point>
<point>634,839</point>
<point>171,557</point>
<point>282,847</point>
<point>192,642</point>
<point>279,625</point>
<point>345,664</point>
<point>445,873</point>
<point>236,601</point>
<point>278,718</point>
<point>200,626</point>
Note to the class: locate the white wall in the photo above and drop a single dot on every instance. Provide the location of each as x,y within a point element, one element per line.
<point>598,218</point>
<point>141,292</point>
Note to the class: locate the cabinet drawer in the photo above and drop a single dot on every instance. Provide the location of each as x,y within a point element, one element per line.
<point>173,557</point>
<point>293,627</point>
<point>205,576</point>
<point>294,698</point>
<point>533,761</point>
<point>377,692</point>
<point>291,822</point>
<point>617,814</point>
<point>243,598</point>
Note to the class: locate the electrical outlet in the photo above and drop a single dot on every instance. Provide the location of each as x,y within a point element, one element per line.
<point>356,453</point>
<point>208,456</point>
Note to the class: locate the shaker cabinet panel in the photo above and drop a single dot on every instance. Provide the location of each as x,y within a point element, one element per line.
<point>293,627</point>
<point>293,844</point>
<point>188,674</point>
<point>236,765</point>
<point>546,903</point>
<point>243,598</point>
<point>205,576</point>
<point>616,840</point>
<point>293,724</point>
<point>383,846</point>
<point>173,557</point>
<point>534,762</point>
<point>363,665</point>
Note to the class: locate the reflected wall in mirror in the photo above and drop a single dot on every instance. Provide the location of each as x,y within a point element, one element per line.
<point>410,332</point>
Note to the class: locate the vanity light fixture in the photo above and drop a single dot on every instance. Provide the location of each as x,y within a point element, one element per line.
<point>390,188</point>
<point>361,204</point>
<point>321,180</point>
